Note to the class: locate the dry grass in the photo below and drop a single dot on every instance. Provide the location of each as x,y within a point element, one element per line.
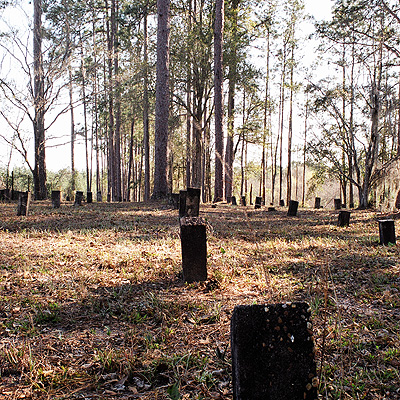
<point>92,305</point>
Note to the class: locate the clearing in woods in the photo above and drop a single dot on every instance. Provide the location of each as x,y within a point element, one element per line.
<point>92,304</point>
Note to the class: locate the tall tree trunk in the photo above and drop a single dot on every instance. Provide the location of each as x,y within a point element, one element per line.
<point>39,173</point>
<point>146,134</point>
<point>281,110</point>
<point>117,96</point>
<point>303,197</point>
<point>290,131</point>
<point>218,93</point>
<point>265,127</point>
<point>130,164</point>
<point>189,106</point>
<point>162,101</point>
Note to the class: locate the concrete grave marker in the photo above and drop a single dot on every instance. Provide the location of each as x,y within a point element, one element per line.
<point>89,197</point>
<point>56,198</point>
<point>78,198</point>
<point>273,353</point>
<point>344,218</point>
<point>24,201</point>
<point>386,232</point>
<point>233,201</point>
<point>194,249</point>
<point>293,206</point>
<point>258,203</point>
<point>317,204</point>
<point>338,204</point>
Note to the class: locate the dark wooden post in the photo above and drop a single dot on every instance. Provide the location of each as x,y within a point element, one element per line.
<point>194,249</point>
<point>56,198</point>
<point>386,231</point>
<point>24,201</point>
<point>234,202</point>
<point>273,353</point>
<point>99,197</point>
<point>243,201</point>
<point>258,202</point>
<point>338,204</point>
<point>293,206</point>
<point>344,218</point>
<point>89,197</point>
<point>78,198</point>
<point>282,203</point>
<point>317,204</point>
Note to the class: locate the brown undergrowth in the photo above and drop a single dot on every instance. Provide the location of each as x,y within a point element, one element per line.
<point>92,304</point>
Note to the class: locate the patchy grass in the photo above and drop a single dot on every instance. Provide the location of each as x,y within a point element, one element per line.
<point>92,304</point>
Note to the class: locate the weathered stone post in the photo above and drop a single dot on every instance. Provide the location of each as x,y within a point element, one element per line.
<point>344,218</point>
<point>273,353</point>
<point>229,199</point>
<point>317,204</point>
<point>386,232</point>
<point>175,200</point>
<point>24,201</point>
<point>282,203</point>
<point>56,198</point>
<point>258,203</point>
<point>194,249</point>
<point>338,204</point>
<point>293,206</point>
<point>78,198</point>
<point>189,203</point>
<point>89,197</point>
<point>99,197</point>
<point>233,200</point>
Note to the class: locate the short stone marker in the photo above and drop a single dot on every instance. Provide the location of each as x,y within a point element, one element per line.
<point>317,203</point>
<point>344,218</point>
<point>338,204</point>
<point>89,197</point>
<point>273,353</point>
<point>24,201</point>
<point>258,203</point>
<point>271,209</point>
<point>293,206</point>
<point>386,232</point>
<point>189,203</point>
<point>99,197</point>
<point>175,200</point>
<point>56,198</point>
<point>243,201</point>
<point>78,198</point>
<point>229,199</point>
<point>194,249</point>
<point>282,203</point>
<point>233,201</point>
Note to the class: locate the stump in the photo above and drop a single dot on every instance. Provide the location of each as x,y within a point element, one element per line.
<point>194,249</point>
<point>89,197</point>
<point>317,204</point>
<point>273,353</point>
<point>293,206</point>
<point>233,200</point>
<point>243,201</point>
<point>282,203</point>
<point>338,204</point>
<point>386,232</point>
<point>78,198</point>
<point>99,197</point>
<point>24,201</point>
<point>56,198</point>
<point>344,218</point>
<point>258,203</point>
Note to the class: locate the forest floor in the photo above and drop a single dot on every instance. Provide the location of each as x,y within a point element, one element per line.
<point>93,306</point>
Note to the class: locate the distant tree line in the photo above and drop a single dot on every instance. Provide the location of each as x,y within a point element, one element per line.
<point>167,94</point>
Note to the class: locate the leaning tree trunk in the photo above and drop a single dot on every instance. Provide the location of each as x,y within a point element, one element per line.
<point>162,102</point>
<point>39,173</point>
